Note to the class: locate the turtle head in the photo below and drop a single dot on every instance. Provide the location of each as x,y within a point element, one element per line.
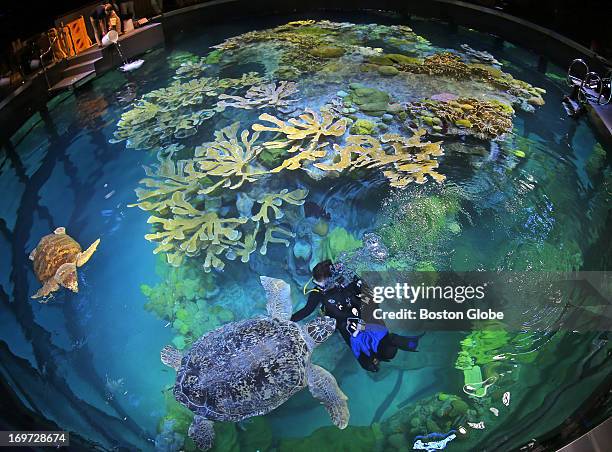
<point>320,329</point>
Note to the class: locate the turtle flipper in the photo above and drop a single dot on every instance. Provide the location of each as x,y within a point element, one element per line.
<point>50,285</point>
<point>171,357</point>
<point>202,433</point>
<point>278,293</point>
<point>84,256</point>
<point>32,254</point>
<point>323,387</point>
<point>66,276</point>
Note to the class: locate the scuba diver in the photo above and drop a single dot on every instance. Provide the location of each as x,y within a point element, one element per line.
<point>345,298</point>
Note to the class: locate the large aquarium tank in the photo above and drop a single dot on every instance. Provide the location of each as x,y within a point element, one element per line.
<point>260,148</point>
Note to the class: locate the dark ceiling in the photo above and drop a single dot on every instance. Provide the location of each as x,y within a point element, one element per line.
<point>586,21</point>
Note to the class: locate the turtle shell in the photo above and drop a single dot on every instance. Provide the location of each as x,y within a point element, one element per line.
<point>52,252</point>
<point>243,369</point>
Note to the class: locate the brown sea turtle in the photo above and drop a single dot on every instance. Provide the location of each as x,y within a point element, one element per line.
<point>56,258</point>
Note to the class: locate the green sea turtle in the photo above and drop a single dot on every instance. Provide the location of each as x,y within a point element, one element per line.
<point>56,258</point>
<point>249,368</point>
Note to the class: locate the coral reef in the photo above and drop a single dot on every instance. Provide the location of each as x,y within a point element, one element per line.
<point>190,231</point>
<point>363,127</point>
<point>165,180</point>
<point>447,64</point>
<point>336,242</point>
<point>191,69</point>
<point>330,438</point>
<point>175,111</point>
<point>261,96</point>
<point>273,201</point>
<point>187,225</point>
<point>371,101</point>
<point>228,161</point>
<point>405,160</point>
<point>307,136</point>
<point>416,222</point>
<point>482,119</point>
<point>305,131</point>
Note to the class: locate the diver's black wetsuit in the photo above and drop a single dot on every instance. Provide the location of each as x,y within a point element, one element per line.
<point>339,302</point>
<point>336,302</point>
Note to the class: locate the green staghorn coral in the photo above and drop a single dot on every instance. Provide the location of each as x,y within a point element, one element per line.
<point>179,57</point>
<point>481,346</point>
<point>338,241</point>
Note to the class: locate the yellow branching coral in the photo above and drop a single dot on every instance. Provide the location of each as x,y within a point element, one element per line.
<point>247,79</point>
<point>189,231</point>
<point>175,111</point>
<point>246,247</point>
<point>300,23</point>
<point>297,161</point>
<point>230,159</point>
<point>164,181</point>
<point>183,94</point>
<point>260,96</point>
<point>275,200</point>
<point>359,151</point>
<point>309,134</point>
<point>269,238</point>
<point>415,159</point>
<point>409,159</point>
<point>185,228</point>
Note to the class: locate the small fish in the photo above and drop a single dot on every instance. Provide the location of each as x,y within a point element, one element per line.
<point>109,194</point>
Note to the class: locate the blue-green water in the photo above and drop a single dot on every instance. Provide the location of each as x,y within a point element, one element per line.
<point>90,361</point>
